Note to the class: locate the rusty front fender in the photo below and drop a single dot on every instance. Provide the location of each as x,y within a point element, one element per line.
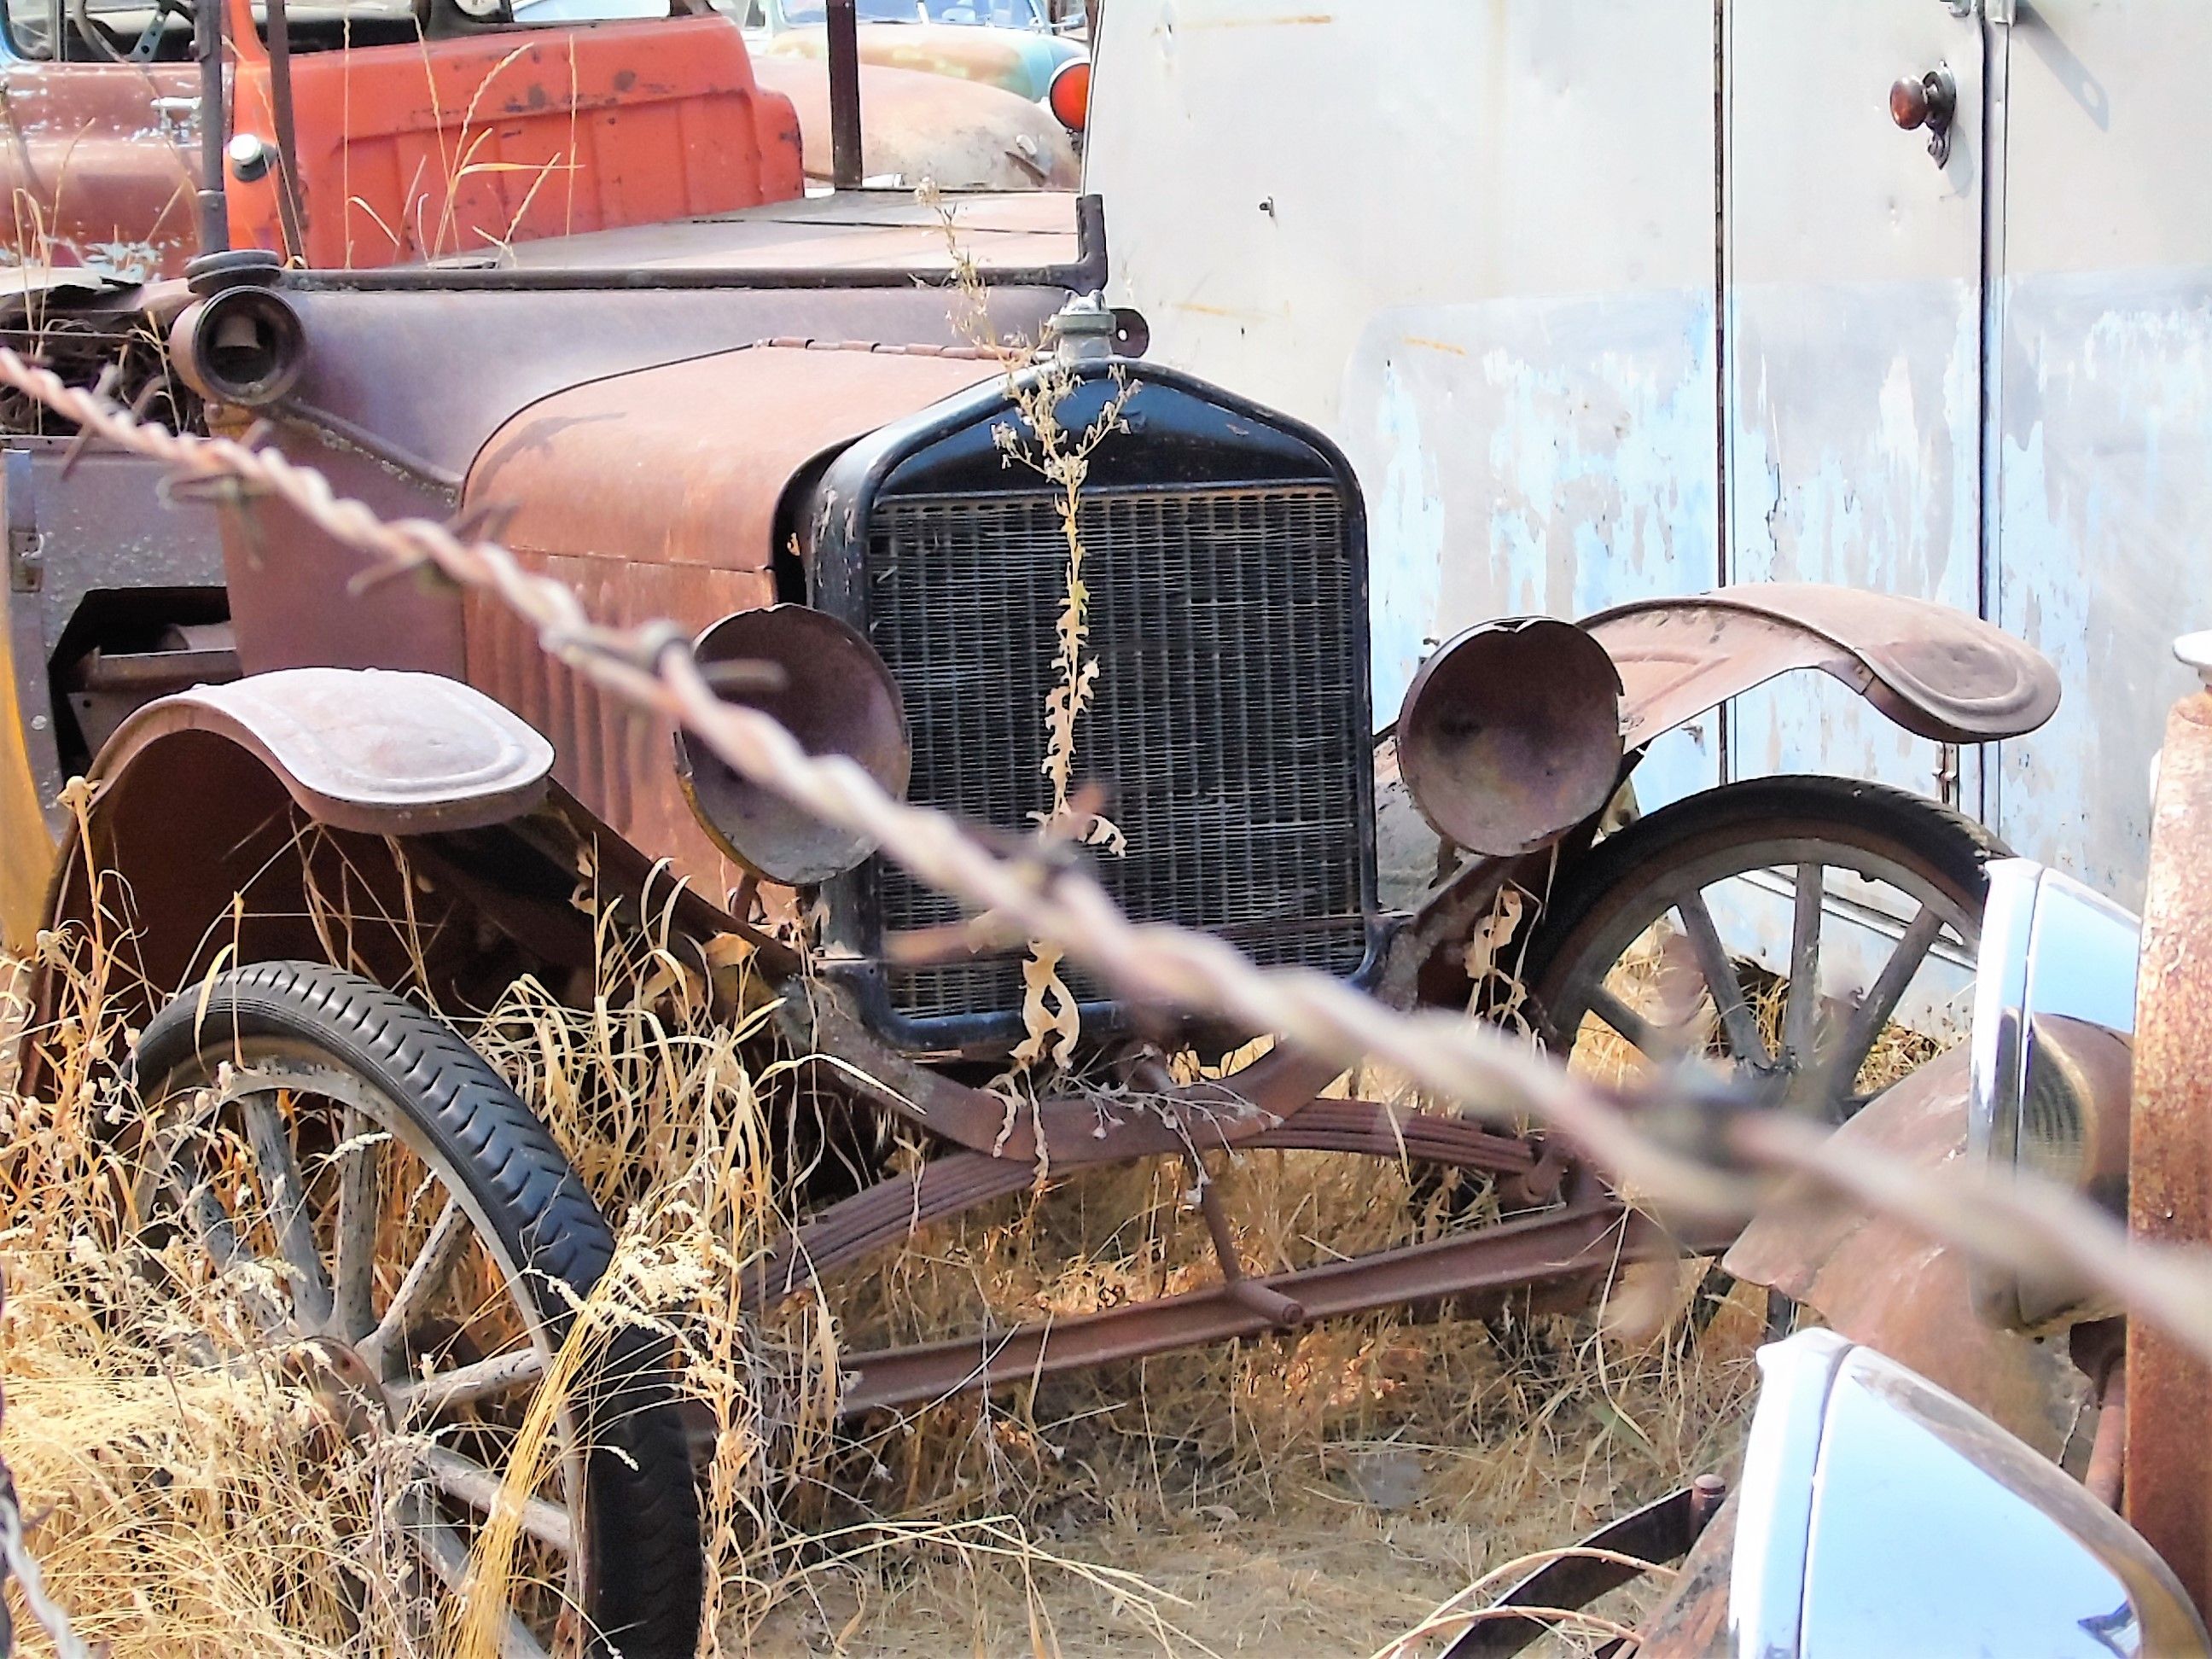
<point>220,821</point>
<point>1937,672</point>
<point>362,749</point>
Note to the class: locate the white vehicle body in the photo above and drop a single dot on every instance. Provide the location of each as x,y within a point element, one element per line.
<point>1611,298</point>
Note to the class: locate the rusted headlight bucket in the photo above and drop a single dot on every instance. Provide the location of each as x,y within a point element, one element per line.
<point>1510,735</point>
<point>836,697</point>
<point>2050,1061</point>
<point>243,345</point>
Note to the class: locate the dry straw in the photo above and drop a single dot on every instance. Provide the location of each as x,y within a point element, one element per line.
<point>191,1494</point>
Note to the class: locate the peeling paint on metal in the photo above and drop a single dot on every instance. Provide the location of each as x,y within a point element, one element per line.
<point>1528,457</point>
<point>1405,543</point>
<point>2107,495</point>
<point>1853,458</point>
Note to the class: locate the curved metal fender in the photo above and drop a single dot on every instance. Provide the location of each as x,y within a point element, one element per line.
<point>1881,1283</point>
<point>1935,671</point>
<point>366,749</point>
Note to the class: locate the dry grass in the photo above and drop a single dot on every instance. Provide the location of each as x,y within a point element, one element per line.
<point>1311,1493</point>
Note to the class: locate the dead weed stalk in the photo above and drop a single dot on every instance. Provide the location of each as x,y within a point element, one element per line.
<point>1037,385</point>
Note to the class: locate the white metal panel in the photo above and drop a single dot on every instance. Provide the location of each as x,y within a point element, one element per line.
<point>1473,241</point>
<point>1853,331</point>
<point>2105,545</point>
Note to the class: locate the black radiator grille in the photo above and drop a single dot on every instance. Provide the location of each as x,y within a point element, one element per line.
<point>1229,626</point>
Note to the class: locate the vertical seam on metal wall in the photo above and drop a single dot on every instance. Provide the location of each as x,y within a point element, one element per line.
<point>1723,517</point>
<point>1996,131</point>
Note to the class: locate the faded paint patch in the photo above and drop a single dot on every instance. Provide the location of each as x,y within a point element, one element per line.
<point>1565,463</point>
<point>2108,495</point>
<point>1406,521</point>
<point>1853,458</point>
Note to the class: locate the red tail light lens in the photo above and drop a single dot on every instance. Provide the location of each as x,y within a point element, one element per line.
<point>1069,94</point>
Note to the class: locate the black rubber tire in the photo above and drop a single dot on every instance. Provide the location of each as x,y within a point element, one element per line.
<point>645,1569</point>
<point>1946,848</point>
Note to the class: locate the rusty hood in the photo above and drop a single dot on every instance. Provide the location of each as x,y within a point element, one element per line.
<point>687,463</point>
<point>657,494</point>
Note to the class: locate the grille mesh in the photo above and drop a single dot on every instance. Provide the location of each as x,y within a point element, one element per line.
<point>1229,627</point>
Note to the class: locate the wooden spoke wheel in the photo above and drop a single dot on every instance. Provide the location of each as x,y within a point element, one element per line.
<point>404,1232</point>
<point>1651,953</point>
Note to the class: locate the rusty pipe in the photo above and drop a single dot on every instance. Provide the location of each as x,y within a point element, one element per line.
<point>288,150</point>
<point>2108,1451</point>
<point>2167,1454</point>
<point>844,31</point>
<point>214,212</point>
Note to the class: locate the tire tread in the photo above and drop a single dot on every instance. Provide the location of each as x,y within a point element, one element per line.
<point>645,1535</point>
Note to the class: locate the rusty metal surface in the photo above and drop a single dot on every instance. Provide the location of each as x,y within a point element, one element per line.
<point>300,598</point>
<point>1236,1109</point>
<point>1693,1623</point>
<point>2108,1452</point>
<point>1937,673</point>
<point>563,130</point>
<point>897,1208</point>
<point>619,763</point>
<point>1662,1531</point>
<point>890,1210</point>
<point>1560,1246</point>
<point>384,753</point>
<point>963,135</point>
<point>835,697</point>
<point>1883,1285</point>
<point>2167,1481</point>
<point>1378,1129</point>
<point>100,164</point>
<point>1509,734</point>
<point>387,362</point>
<point>733,427</point>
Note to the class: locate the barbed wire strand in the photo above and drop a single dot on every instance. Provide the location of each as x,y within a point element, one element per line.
<point>1682,1161</point>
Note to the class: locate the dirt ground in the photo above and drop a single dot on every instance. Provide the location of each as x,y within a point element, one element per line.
<point>1438,1454</point>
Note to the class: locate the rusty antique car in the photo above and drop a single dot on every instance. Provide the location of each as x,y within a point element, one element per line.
<point>1978,1454</point>
<point>779,428</point>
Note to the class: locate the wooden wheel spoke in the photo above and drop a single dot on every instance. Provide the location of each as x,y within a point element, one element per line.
<point>1801,1005</point>
<point>1720,976</point>
<point>440,1250</point>
<point>1882,999</point>
<point>445,1553</point>
<point>486,1379</point>
<point>1650,1039</point>
<point>473,1484</point>
<point>286,1195</point>
<point>352,1312</point>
